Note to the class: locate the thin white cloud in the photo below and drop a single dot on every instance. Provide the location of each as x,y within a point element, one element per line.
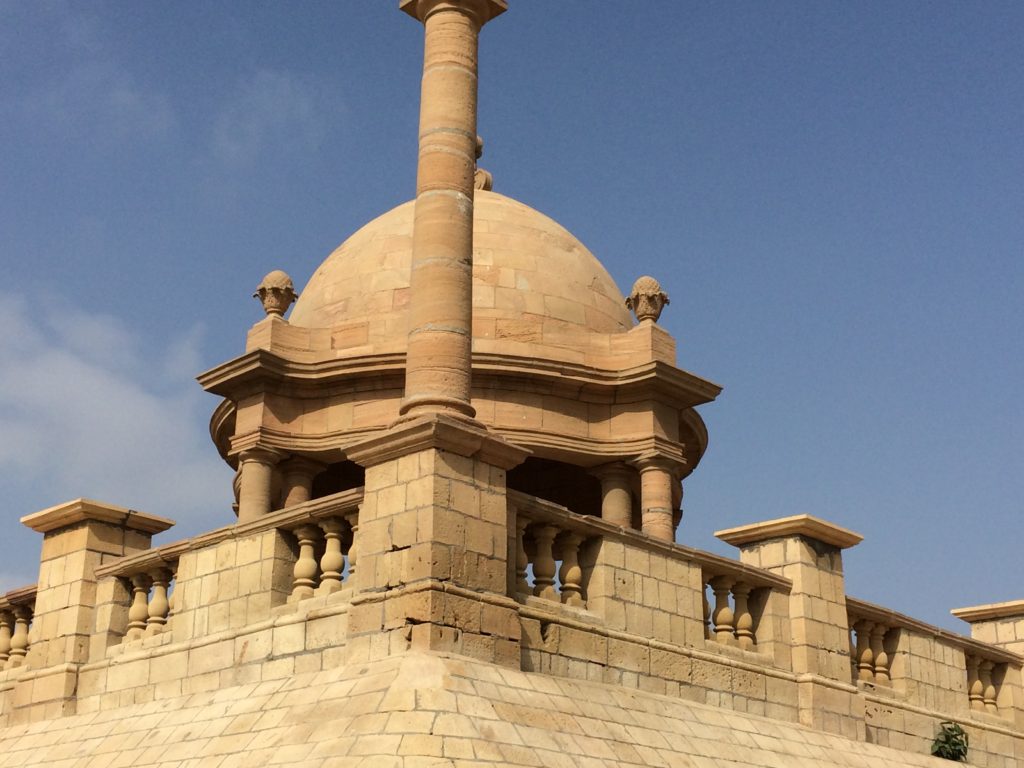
<point>102,101</point>
<point>85,410</point>
<point>270,109</point>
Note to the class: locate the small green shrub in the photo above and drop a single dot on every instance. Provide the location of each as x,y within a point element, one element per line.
<point>951,742</point>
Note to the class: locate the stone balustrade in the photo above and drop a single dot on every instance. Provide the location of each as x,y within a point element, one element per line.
<point>873,643</point>
<point>16,611</point>
<point>326,560</point>
<point>548,546</point>
<point>147,583</point>
<point>733,603</point>
<point>984,681</point>
<point>931,667</point>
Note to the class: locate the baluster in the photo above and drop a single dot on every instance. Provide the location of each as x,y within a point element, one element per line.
<point>865,656</point>
<point>853,653</point>
<point>305,571</point>
<point>975,688</point>
<point>522,559</point>
<point>6,624</point>
<point>988,687</point>
<point>878,652</point>
<point>723,616</point>
<point>570,574</point>
<point>333,561</point>
<point>744,620</point>
<point>544,563</point>
<point>19,640</point>
<point>353,524</point>
<point>707,611</point>
<point>138,613</point>
<point>159,606</point>
<point>173,597</point>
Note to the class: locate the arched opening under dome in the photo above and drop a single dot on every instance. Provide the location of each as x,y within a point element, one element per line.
<point>341,476</point>
<point>566,484</point>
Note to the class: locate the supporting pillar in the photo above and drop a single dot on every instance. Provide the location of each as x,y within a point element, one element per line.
<point>656,481</point>
<point>299,473</point>
<point>438,363</point>
<point>256,482</point>
<point>78,536</point>
<point>616,498</point>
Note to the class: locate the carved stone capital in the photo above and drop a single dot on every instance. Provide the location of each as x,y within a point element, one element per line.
<point>482,10</point>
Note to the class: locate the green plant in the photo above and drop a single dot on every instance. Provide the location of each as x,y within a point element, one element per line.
<point>951,742</point>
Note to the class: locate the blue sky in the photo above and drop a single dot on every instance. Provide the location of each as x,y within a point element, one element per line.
<point>832,194</point>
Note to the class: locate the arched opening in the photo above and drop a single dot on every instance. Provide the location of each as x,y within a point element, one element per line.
<point>342,476</point>
<point>571,486</point>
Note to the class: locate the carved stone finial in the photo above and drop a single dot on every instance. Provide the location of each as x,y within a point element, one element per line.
<point>276,292</point>
<point>646,300</point>
<point>482,179</point>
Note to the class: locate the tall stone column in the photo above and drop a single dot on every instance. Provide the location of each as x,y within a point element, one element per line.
<point>433,525</point>
<point>438,363</point>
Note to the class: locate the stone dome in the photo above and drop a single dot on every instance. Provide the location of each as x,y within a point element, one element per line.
<point>532,281</point>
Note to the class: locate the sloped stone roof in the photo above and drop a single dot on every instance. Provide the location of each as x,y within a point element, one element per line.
<point>420,710</point>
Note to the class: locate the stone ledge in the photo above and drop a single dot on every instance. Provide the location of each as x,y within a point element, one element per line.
<point>797,525</point>
<point>81,510</point>
<point>1012,609</point>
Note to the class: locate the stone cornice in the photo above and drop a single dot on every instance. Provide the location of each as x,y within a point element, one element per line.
<point>807,526</point>
<point>442,432</point>
<point>82,510</point>
<point>1013,609</point>
<point>265,370</point>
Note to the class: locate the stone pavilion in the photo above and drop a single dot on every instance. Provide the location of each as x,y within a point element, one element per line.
<point>459,463</point>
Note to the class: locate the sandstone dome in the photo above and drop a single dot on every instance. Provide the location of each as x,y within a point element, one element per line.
<point>532,281</point>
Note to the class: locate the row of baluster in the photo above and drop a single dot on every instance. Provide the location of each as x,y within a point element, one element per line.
<point>542,546</point>
<point>982,692</point>
<point>336,537</point>
<point>730,621</point>
<point>151,603</point>
<point>871,652</point>
<point>14,642</point>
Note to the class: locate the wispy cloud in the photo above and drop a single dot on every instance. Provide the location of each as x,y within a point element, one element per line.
<point>269,109</point>
<point>103,100</point>
<point>83,412</point>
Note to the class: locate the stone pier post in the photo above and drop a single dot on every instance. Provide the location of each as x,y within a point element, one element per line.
<point>809,552</point>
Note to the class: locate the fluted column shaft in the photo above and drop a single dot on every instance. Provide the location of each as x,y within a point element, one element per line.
<point>438,363</point>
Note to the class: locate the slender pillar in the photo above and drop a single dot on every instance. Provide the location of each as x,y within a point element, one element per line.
<point>656,498</point>
<point>298,479</point>
<point>257,475</point>
<point>438,363</point>
<point>616,499</point>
